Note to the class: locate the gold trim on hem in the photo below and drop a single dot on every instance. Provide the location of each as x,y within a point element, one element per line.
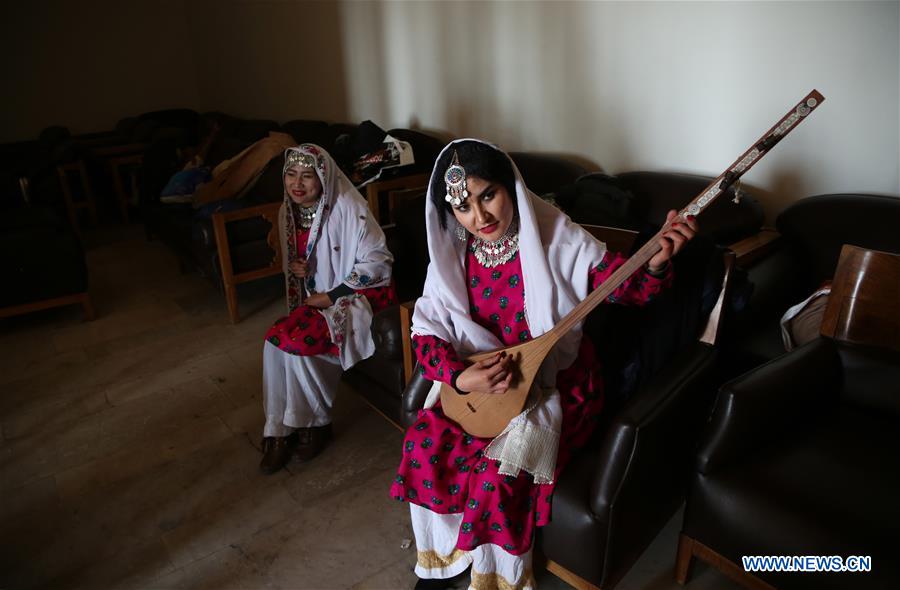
<point>431,559</point>
<point>497,582</point>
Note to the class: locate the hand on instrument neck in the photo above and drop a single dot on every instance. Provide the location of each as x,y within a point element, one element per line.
<point>672,241</point>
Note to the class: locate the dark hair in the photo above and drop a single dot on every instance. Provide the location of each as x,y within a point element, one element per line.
<point>479,159</point>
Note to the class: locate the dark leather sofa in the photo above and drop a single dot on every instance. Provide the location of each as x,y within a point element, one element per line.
<point>50,173</point>
<point>812,232</point>
<point>42,261</point>
<point>801,459</point>
<point>800,456</point>
<point>640,200</point>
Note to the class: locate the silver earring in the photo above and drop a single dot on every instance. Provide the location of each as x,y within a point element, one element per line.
<point>461,234</point>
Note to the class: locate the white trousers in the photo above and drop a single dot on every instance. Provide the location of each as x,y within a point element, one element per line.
<point>298,391</point>
<point>438,557</point>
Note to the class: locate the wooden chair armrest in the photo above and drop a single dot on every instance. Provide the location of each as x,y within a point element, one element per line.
<point>115,164</point>
<point>117,150</point>
<point>268,211</point>
<point>220,221</point>
<point>98,142</point>
<point>373,189</point>
<point>125,160</point>
<point>409,362</point>
<point>78,167</point>
<point>615,238</point>
<point>756,246</point>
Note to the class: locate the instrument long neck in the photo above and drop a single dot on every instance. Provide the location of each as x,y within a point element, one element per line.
<point>716,188</point>
<point>621,274</point>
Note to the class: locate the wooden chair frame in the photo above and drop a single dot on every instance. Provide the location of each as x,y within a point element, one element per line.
<point>117,157</point>
<point>269,212</point>
<point>119,150</point>
<point>73,206</point>
<point>689,548</point>
<point>230,280</point>
<point>116,164</point>
<point>863,304</point>
<point>82,299</point>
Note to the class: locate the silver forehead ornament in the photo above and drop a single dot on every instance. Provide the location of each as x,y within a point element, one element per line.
<point>301,159</point>
<point>455,178</point>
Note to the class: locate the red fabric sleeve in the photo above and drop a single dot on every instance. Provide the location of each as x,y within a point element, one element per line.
<point>638,289</point>
<point>438,360</point>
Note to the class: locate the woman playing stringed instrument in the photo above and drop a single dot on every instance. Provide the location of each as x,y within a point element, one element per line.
<point>505,268</point>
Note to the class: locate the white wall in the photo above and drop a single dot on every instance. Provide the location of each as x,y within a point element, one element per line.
<point>269,59</point>
<point>88,64</point>
<point>678,86</point>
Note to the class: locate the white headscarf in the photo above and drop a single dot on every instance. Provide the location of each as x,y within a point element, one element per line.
<point>345,246</point>
<point>556,257</point>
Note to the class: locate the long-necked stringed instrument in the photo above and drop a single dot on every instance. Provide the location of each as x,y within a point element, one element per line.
<point>487,414</point>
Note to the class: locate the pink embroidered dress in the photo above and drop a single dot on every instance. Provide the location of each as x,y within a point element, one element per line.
<point>305,332</point>
<point>444,469</point>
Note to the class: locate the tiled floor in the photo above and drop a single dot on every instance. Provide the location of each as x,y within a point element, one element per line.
<point>129,451</point>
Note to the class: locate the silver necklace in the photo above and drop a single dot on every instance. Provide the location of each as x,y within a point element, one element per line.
<point>491,254</point>
<point>307,215</point>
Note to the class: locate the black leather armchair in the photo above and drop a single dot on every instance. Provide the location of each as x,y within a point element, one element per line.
<point>639,201</point>
<point>812,232</point>
<point>30,237</point>
<point>800,457</point>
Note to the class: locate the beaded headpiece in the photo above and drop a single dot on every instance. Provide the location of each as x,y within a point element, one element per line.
<point>455,178</point>
<point>302,159</point>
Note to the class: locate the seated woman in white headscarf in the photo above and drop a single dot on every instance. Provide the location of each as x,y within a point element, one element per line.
<point>337,270</point>
<point>505,268</point>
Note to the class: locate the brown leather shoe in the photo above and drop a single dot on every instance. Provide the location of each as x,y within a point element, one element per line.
<point>276,452</point>
<point>312,441</point>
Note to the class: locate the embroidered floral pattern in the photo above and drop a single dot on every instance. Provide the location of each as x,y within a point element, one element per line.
<point>461,480</point>
<point>305,332</point>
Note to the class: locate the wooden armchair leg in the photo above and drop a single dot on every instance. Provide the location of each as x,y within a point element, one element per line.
<point>87,307</point>
<point>683,559</point>
<point>689,548</point>
<point>230,279</point>
<point>90,202</point>
<point>232,301</point>
<point>569,578</point>
<point>69,200</point>
<point>119,188</point>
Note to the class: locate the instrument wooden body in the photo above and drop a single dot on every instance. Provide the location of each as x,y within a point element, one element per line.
<point>485,414</point>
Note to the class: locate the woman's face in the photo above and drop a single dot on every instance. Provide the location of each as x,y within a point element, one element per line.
<point>302,185</point>
<point>489,210</point>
